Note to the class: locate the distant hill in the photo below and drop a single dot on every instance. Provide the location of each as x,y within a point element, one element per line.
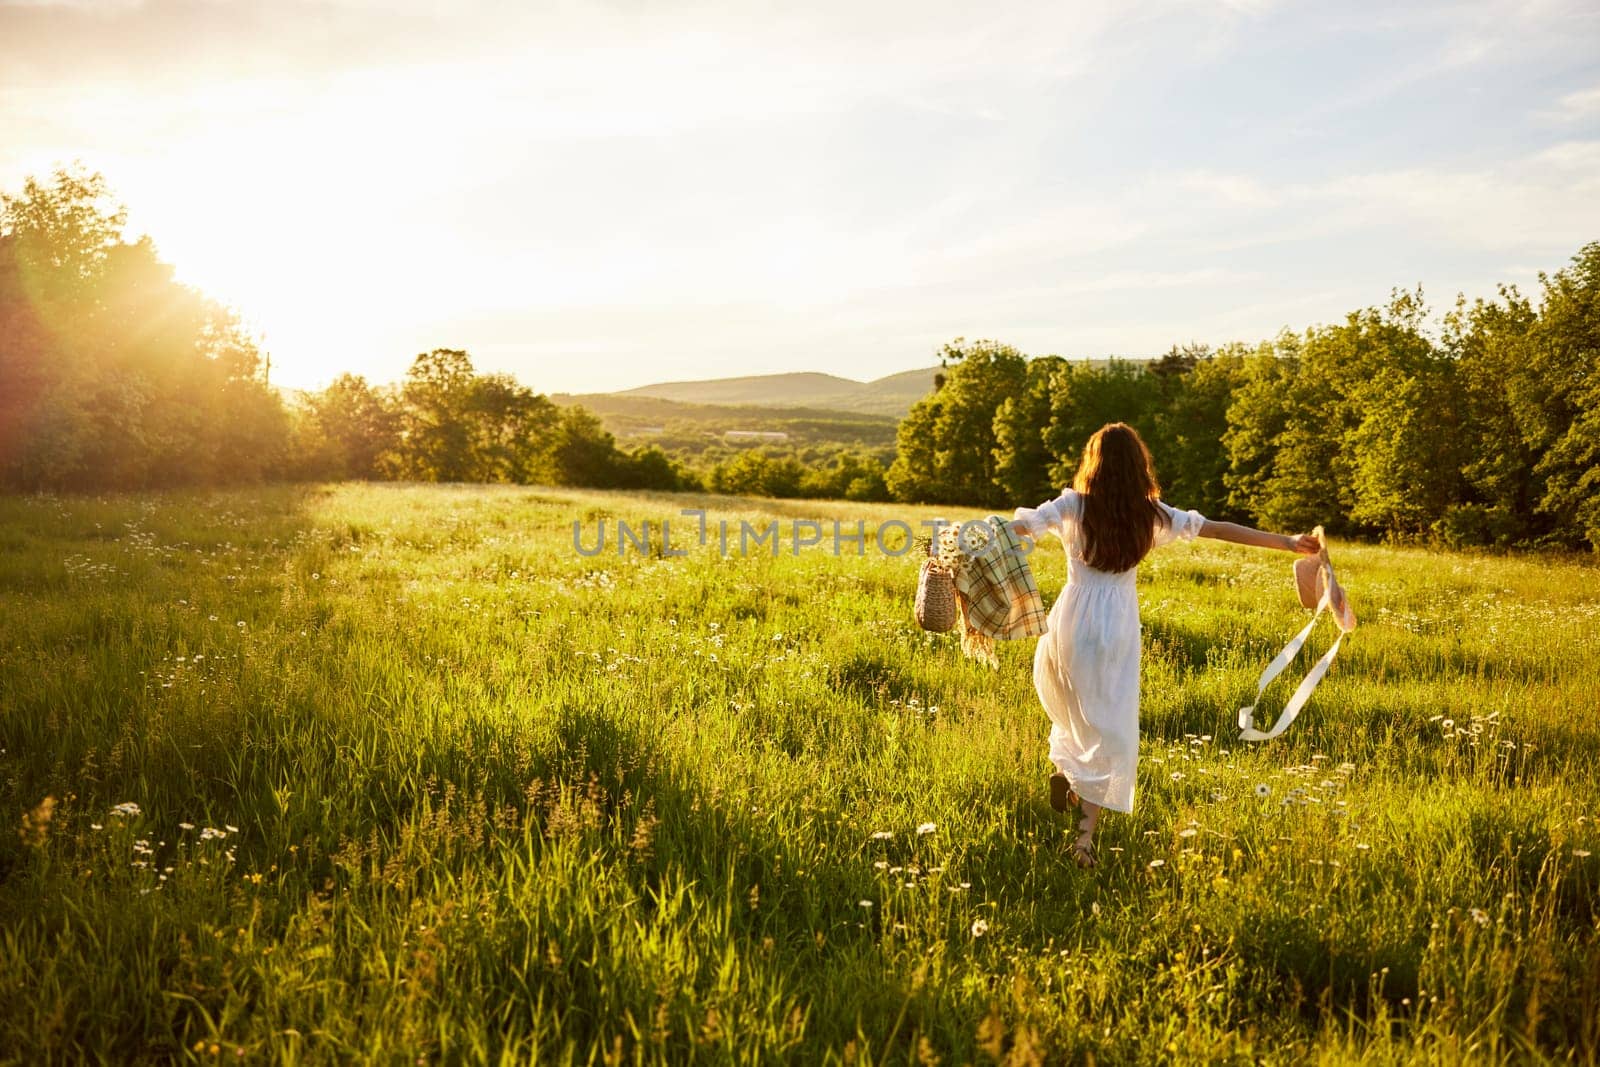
<point>891,395</point>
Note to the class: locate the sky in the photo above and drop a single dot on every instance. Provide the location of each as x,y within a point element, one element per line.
<point>598,195</point>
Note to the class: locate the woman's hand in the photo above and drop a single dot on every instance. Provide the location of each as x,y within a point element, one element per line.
<point>1305,544</point>
<point>1020,528</point>
<point>1249,535</point>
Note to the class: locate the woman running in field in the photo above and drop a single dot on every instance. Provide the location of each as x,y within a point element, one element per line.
<point>1086,665</point>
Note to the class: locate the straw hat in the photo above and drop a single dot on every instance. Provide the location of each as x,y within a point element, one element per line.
<point>1313,575</point>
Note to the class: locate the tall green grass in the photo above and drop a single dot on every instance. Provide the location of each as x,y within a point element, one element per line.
<point>416,782</point>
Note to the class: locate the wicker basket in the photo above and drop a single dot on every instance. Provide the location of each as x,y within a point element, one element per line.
<point>936,597</point>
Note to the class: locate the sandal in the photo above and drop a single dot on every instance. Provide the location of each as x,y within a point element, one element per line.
<point>1083,854</point>
<point>1062,796</point>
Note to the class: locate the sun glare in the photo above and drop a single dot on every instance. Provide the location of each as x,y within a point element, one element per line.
<point>305,219</point>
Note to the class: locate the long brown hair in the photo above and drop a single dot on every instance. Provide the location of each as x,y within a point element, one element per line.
<point>1117,481</point>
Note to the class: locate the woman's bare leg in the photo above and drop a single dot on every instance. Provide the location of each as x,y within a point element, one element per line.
<point>1090,820</point>
<point>1087,824</point>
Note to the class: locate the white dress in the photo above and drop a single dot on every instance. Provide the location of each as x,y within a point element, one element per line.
<point>1086,665</point>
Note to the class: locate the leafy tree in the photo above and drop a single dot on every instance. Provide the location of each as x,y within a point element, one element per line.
<point>584,452</point>
<point>1301,420</point>
<point>948,443</point>
<point>649,467</point>
<point>1258,415</point>
<point>913,476</point>
<point>757,473</point>
<point>64,231</point>
<point>1022,461</point>
<point>981,376</point>
<point>1562,400</point>
<point>1573,466</point>
<point>1486,341</point>
<point>1406,454</point>
<point>355,429</point>
<point>1165,380</point>
<point>1189,428</point>
<point>1084,398</point>
<point>512,429</point>
<point>435,406</point>
<point>868,487</point>
<point>851,476</point>
<point>1308,482</point>
<point>111,373</point>
<point>1384,473</point>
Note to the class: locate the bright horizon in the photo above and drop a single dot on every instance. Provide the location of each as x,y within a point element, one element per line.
<point>594,199</point>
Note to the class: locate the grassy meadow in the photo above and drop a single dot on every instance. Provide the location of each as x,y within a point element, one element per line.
<point>392,774</point>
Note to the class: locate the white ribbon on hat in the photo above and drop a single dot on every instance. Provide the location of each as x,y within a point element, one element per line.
<point>1247,715</point>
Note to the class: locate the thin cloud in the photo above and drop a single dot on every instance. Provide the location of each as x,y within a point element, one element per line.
<point>1577,106</point>
<point>1549,199</point>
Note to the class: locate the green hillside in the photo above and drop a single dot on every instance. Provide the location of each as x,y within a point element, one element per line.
<point>891,395</point>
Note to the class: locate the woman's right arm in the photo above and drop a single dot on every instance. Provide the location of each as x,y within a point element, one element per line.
<point>1305,544</point>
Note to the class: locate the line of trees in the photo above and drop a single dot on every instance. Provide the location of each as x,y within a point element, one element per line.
<point>851,475</point>
<point>447,423</point>
<point>1487,434</point>
<point>113,375</point>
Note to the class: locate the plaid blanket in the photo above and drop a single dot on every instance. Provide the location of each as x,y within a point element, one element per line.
<point>995,590</point>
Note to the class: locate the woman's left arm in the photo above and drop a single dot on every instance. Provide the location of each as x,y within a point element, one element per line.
<point>1305,544</point>
<point>1021,529</point>
<point>1034,523</point>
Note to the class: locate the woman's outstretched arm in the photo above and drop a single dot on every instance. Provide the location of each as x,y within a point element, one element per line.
<point>1249,535</point>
